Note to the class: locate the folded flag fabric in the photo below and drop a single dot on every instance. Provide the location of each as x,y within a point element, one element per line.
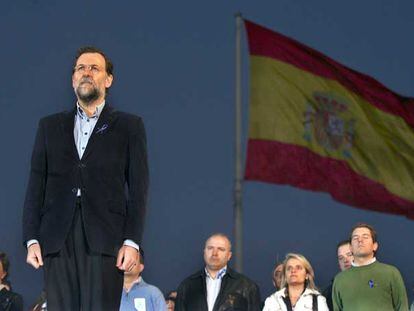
<point>318,125</point>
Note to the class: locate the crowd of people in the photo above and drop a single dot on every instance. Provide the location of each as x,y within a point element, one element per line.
<point>363,283</point>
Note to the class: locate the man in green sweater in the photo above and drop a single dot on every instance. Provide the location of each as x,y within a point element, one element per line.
<point>368,284</point>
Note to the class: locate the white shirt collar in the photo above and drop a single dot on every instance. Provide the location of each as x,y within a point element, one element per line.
<point>137,281</point>
<point>219,274</point>
<point>372,260</point>
<point>97,113</point>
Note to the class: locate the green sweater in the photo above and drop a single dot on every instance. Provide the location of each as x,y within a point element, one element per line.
<point>376,287</point>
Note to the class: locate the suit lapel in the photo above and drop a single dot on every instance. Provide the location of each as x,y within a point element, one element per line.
<point>100,129</point>
<point>68,122</point>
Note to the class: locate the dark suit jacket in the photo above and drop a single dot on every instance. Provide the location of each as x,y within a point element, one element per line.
<point>112,175</point>
<point>237,292</point>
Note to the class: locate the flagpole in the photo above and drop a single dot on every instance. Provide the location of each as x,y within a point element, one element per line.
<point>238,211</point>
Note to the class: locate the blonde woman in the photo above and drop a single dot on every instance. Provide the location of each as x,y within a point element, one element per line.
<point>298,291</point>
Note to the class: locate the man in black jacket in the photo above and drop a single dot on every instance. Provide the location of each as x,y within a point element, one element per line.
<point>217,287</point>
<point>86,197</point>
<point>345,258</point>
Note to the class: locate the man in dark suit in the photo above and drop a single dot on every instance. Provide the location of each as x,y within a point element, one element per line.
<point>217,287</point>
<point>86,197</point>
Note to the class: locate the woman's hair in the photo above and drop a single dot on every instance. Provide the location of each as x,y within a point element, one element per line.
<point>310,277</point>
<point>274,277</point>
<point>4,260</point>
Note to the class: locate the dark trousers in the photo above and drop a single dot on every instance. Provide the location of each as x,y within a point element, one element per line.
<point>78,279</point>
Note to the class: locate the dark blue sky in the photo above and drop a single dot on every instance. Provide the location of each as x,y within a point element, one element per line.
<point>174,66</point>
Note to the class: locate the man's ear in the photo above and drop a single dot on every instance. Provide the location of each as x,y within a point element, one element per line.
<point>108,81</point>
<point>141,268</point>
<point>376,246</point>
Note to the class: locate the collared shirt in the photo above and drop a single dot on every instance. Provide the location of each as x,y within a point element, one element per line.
<point>213,286</point>
<point>142,297</point>
<point>372,260</point>
<point>82,131</point>
<point>84,126</point>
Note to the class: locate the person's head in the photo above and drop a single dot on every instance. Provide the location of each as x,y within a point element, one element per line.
<point>4,268</point>
<point>138,266</point>
<point>217,252</point>
<point>277,275</point>
<point>344,254</point>
<point>92,75</point>
<point>297,271</point>
<point>363,239</point>
<point>170,300</point>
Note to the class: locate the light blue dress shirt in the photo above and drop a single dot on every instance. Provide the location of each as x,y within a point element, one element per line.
<point>142,296</point>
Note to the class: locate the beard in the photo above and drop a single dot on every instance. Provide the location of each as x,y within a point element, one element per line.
<point>87,94</point>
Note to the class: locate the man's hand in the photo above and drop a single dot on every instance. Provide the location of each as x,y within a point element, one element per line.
<point>34,256</point>
<point>127,258</point>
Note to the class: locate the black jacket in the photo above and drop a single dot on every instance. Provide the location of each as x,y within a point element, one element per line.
<point>237,292</point>
<point>112,175</point>
<point>10,301</point>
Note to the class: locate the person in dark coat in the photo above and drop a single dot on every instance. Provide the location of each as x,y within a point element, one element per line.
<point>9,300</point>
<point>217,287</point>
<point>85,203</point>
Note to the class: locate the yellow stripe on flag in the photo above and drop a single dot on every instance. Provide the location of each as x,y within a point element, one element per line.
<point>297,107</point>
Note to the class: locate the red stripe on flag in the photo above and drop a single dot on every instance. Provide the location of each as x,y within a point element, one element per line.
<point>265,42</point>
<point>281,163</point>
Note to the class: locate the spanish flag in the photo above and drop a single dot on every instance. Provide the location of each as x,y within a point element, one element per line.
<point>318,125</point>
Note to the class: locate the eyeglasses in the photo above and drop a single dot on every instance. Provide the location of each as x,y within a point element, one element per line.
<point>94,69</point>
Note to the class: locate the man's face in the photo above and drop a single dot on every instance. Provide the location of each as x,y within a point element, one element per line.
<point>362,244</point>
<point>345,257</point>
<point>217,253</point>
<point>136,269</point>
<point>89,79</point>
<point>277,277</point>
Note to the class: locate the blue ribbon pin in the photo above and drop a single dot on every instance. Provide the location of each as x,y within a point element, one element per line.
<point>371,283</point>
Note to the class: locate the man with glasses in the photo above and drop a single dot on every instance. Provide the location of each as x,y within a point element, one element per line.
<point>86,197</point>
<point>368,284</point>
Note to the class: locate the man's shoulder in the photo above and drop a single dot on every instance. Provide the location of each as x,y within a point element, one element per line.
<point>56,117</point>
<point>192,282</point>
<point>241,278</point>
<point>236,275</point>
<point>341,276</point>
<point>150,288</point>
<point>193,277</point>
<point>127,116</point>
<point>389,270</point>
<point>385,266</point>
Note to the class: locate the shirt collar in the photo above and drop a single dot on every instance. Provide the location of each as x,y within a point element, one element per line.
<point>219,275</point>
<point>81,113</point>
<point>372,260</point>
<point>135,283</point>
<point>306,291</point>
